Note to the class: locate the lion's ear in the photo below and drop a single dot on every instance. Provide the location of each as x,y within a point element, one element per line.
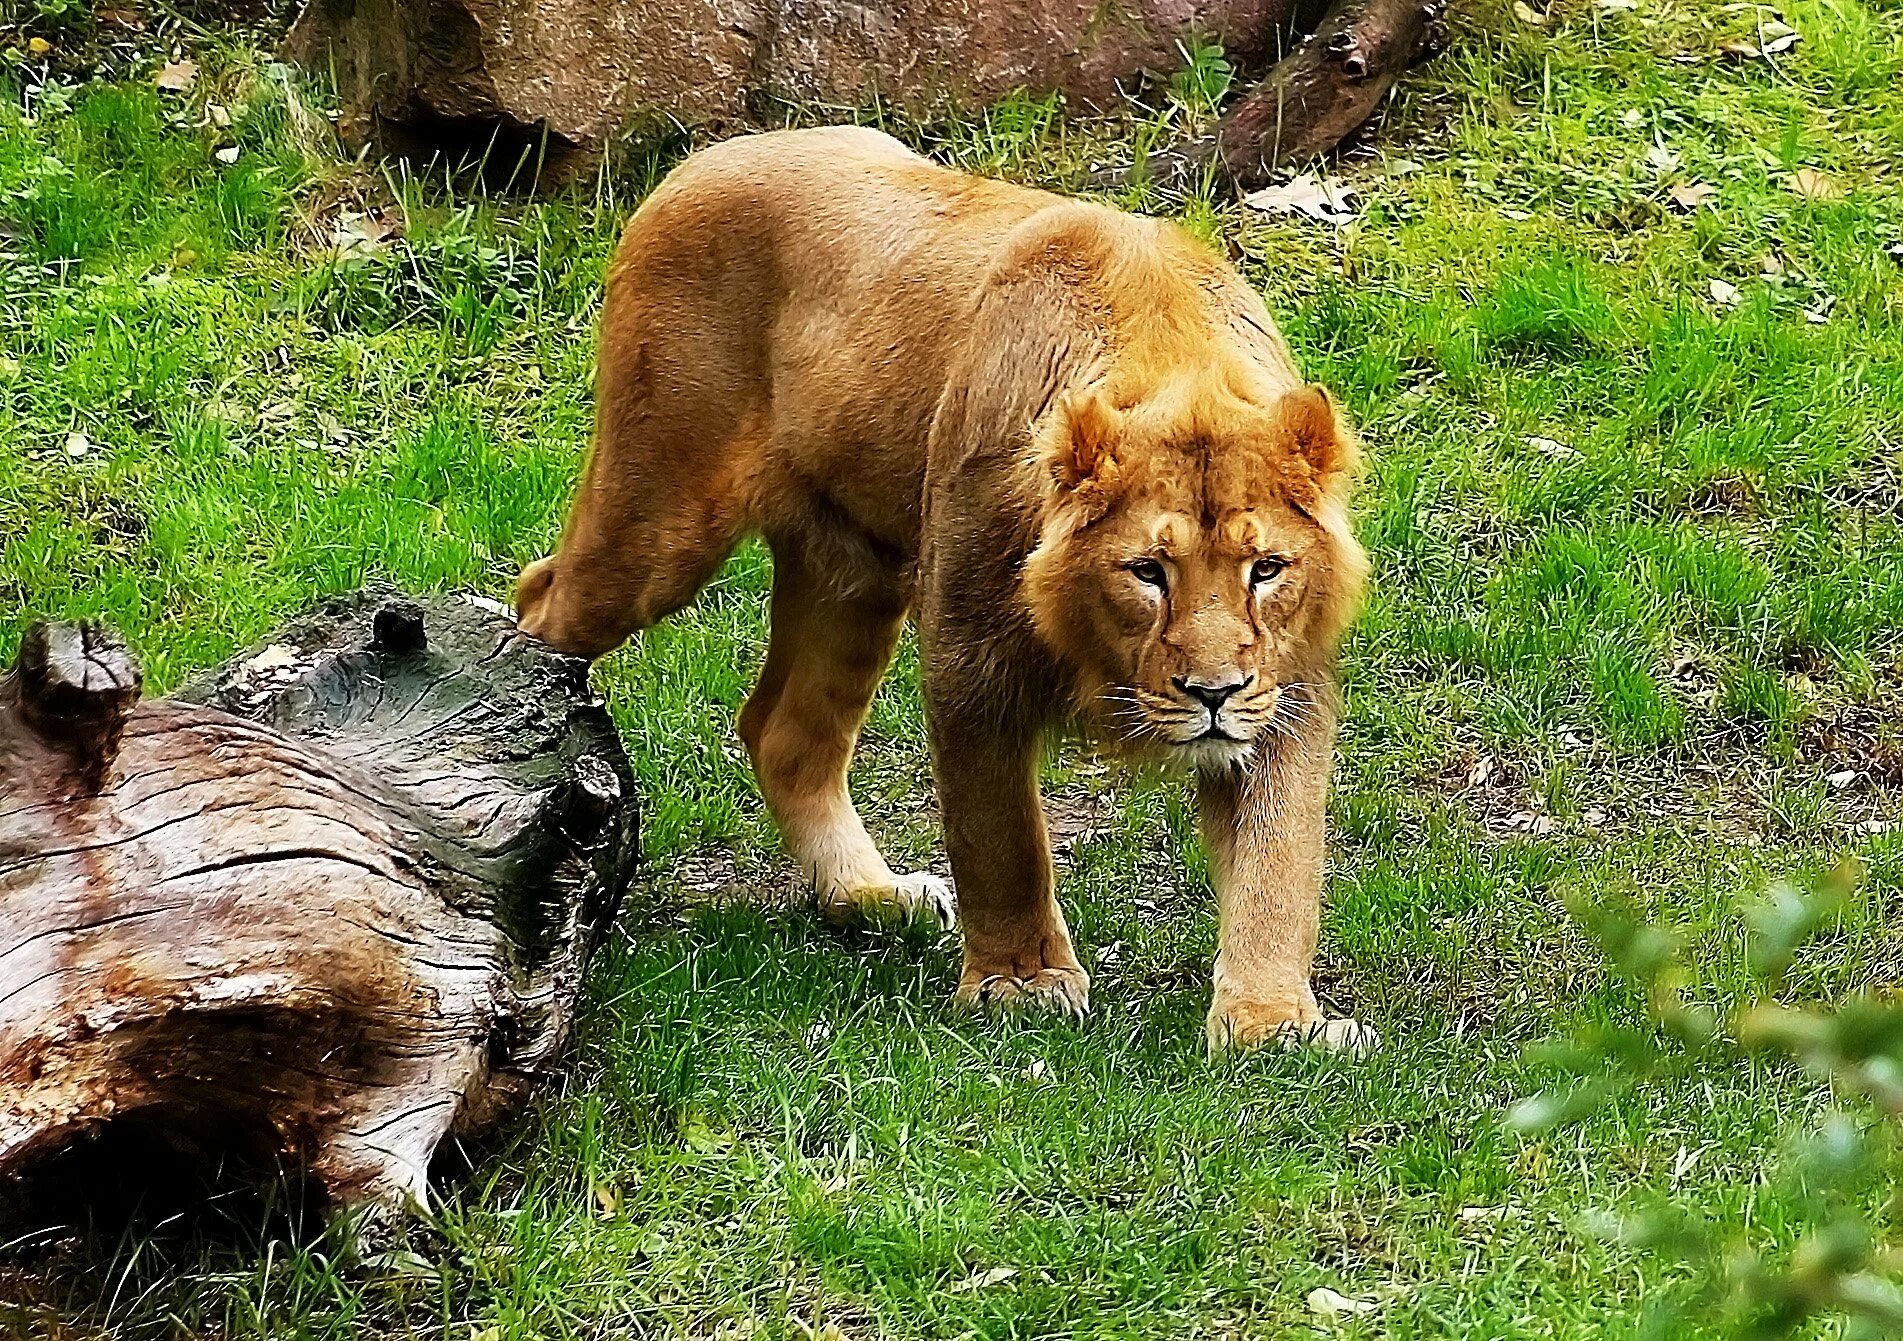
<point>1086,428</point>
<point>1320,435</point>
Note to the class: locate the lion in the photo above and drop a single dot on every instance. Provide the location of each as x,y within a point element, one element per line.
<point>1070,442</point>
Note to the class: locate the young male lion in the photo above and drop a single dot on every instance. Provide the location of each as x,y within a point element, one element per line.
<point>1072,439</point>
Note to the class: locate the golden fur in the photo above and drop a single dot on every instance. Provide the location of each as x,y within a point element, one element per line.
<point>1071,440</point>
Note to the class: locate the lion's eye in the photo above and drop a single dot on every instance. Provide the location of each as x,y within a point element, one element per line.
<point>1149,572</point>
<point>1266,570</point>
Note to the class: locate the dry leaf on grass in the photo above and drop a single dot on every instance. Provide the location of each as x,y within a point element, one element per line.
<point>1662,158</point>
<point>176,77</point>
<point>1327,199</point>
<point>1725,294</point>
<point>354,234</point>
<point>1525,13</point>
<point>1814,185</point>
<point>984,1280</point>
<point>1327,1303</point>
<point>37,46</point>
<point>78,444</point>
<point>1688,196</point>
<point>228,154</point>
<point>1479,1214</point>
<point>1772,38</point>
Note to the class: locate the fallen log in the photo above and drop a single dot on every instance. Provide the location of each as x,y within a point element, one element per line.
<point>1304,106</point>
<point>1326,88</point>
<point>321,910</point>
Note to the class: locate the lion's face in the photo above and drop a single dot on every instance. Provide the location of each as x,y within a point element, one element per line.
<point>1195,565</point>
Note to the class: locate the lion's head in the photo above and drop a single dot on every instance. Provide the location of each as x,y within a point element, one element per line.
<point>1195,563</point>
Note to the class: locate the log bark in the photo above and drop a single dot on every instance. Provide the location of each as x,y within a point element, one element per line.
<point>1327,88</point>
<point>332,904</point>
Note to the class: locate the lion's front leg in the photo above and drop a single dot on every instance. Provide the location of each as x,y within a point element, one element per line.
<point>1017,948</point>
<point>1264,828</point>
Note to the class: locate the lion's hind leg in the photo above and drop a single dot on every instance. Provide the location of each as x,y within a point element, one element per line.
<point>827,652</point>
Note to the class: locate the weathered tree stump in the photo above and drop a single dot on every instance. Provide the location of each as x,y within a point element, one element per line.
<point>326,907</point>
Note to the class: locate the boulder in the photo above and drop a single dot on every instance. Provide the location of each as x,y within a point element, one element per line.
<point>544,78</point>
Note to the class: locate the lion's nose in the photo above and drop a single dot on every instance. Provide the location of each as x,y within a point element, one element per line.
<point>1212,694</point>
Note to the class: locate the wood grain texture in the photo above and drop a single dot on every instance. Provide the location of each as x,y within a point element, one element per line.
<point>338,896</point>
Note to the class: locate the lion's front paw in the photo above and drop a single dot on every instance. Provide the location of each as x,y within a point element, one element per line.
<point>1236,1024</point>
<point>917,896</point>
<point>1062,989</point>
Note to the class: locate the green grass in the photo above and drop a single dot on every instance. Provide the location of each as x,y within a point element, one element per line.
<point>1638,594</point>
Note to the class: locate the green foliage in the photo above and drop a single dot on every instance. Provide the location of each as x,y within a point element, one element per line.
<point>1836,1187</point>
<point>1203,81</point>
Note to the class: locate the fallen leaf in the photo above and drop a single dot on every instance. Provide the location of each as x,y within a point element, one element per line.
<point>1327,1303</point>
<point>176,77</point>
<point>607,1201</point>
<point>1813,185</point>
<point>37,46</point>
<point>276,657</point>
<point>1662,158</point>
<point>1896,252</point>
<point>228,154</point>
<point>1725,294</point>
<point>1035,1071</point>
<point>1617,5</point>
<point>1842,779</point>
<point>984,1280</point>
<point>9,368</point>
<point>78,444</point>
<point>1632,118</point>
<point>1772,38</point>
<point>1525,13</point>
<point>217,114</point>
<point>1481,771</point>
<point>399,1263</point>
<point>1688,196</point>
<point>361,234</point>
<point>1327,200</point>
<point>1473,1214</point>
